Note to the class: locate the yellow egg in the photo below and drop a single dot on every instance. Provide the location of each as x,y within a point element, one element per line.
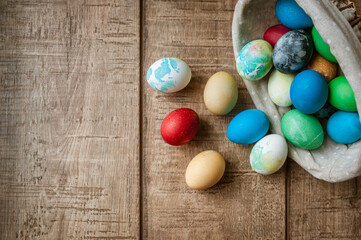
<point>205,170</point>
<point>221,93</point>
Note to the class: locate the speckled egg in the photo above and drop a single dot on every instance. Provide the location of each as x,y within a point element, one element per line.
<point>279,85</point>
<point>293,51</point>
<point>320,64</point>
<point>205,170</point>
<point>341,94</point>
<point>254,61</point>
<point>302,130</point>
<point>269,154</point>
<point>169,75</point>
<point>220,93</point>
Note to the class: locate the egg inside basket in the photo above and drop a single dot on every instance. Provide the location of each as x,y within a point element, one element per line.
<point>338,24</point>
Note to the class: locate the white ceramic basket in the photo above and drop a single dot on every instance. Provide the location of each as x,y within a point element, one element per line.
<point>331,162</point>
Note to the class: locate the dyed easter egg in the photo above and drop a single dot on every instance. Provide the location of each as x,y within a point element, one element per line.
<point>320,64</point>
<point>309,91</point>
<point>254,60</point>
<point>322,48</point>
<point>274,33</point>
<point>279,85</point>
<point>248,126</point>
<point>290,14</point>
<point>326,111</point>
<point>293,51</point>
<point>302,130</point>
<point>220,93</point>
<point>269,154</point>
<point>344,127</point>
<point>169,75</point>
<point>205,170</point>
<point>179,126</point>
<point>341,94</point>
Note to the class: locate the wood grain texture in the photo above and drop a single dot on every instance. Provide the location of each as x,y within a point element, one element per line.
<point>70,94</point>
<point>322,210</point>
<point>244,205</point>
<point>69,113</point>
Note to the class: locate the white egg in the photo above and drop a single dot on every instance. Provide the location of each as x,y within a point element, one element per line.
<point>279,85</point>
<point>269,154</point>
<point>169,75</point>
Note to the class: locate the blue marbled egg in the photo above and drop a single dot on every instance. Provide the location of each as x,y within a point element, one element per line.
<point>169,75</point>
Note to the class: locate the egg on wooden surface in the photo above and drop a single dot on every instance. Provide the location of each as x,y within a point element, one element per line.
<point>180,126</point>
<point>248,126</point>
<point>169,75</point>
<point>341,94</point>
<point>274,33</point>
<point>302,130</point>
<point>320,64</point>
<point>290,14</point>
<point>293,51</point>
<point>322,47</point>
<point>279,85</point>
<point>254,60</point>
<point>344,127</point>
<point>269,154</point>
<point>220,93</point>
<point>309,91</point>
<point>205,170</point>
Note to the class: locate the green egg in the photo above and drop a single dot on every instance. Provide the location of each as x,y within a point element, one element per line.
<point>302,130</point>
<point>341,94</point>
<point>322,48</point>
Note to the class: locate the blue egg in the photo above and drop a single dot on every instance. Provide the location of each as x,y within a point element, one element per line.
<point>344,127</point>
<point>309,91</point>
<point>248,127</point>
<point>290,14</point>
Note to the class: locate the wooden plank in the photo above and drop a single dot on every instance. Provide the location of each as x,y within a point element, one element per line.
<point>69,119</point>
<point>244,205</point>
<point>322,210</point>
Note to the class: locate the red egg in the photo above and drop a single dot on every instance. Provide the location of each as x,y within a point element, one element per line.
<point>274,33</point>
<point>180,126</point>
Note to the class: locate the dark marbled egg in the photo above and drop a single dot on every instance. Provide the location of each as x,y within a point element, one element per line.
<point>292,51</point>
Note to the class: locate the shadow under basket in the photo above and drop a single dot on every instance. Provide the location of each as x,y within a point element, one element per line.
<point>338,24</point>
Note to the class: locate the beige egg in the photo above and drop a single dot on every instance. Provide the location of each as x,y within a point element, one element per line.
<point>205,170</point>
<point>220,93</point>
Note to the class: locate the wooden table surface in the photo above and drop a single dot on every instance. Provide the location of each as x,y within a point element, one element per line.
<point>81,156</point>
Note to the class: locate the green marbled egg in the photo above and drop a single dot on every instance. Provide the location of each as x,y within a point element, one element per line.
<point>302,130</point>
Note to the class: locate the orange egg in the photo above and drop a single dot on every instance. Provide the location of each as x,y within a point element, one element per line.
<point>326,68</point>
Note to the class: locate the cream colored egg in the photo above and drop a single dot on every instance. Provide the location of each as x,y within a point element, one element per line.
<point>205,170</point>
<point>279,85</point>
<point>269,154</point>
<point>220,93</point>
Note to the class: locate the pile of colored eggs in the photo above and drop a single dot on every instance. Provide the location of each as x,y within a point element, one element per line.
<point>303,77</point>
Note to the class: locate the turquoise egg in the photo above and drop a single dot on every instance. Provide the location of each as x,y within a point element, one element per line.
<point>254,61</point>
<point>169,75</point>
<point>248,126</point>
<point>344,127</point>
